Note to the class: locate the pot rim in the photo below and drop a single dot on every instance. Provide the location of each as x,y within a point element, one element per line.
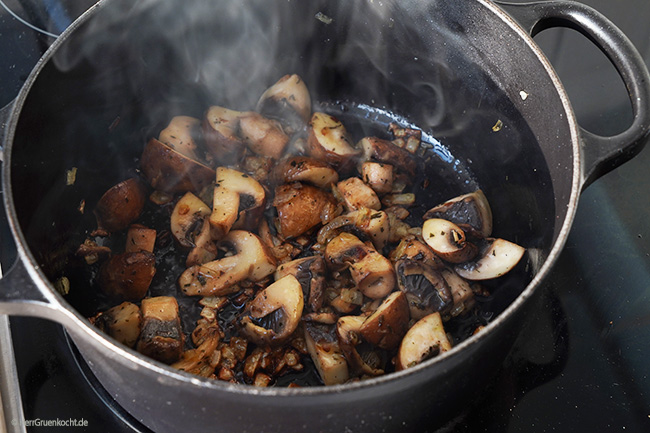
<point>79,327</point>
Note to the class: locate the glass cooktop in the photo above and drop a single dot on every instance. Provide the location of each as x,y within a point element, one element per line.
<point>582,362</point>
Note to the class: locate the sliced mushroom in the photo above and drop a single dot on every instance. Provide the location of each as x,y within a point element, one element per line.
<point>471,212</point>
<point>263,136</point>
<point>179,135</point>
<point>448,240</point>
<point>187,219</point>
<point>274,314</point>
<point>121,322</point>
<point>220,132</point>
<point>140,238</point>
<point>252,261</point>
<point>496,258</point>
<point>378,175</point>
<point>120,205</point>
<point>310,272</point>
<point>127,276</point>
<point>304,169</point>
<point>425,339</point>
<point>366,223</point>
<point>162,335</point>
<point>323,346</point>
<point>426,290</point>
<point>301,207</point>
<point>461,292</point>
<point>412,249</point>
<point>362,358</point>
<point>377,149</point>
<point>329,141</point>
<point>373,273</point>
<point>374,224</point>
<point>287,100</point>
<point>170,171</point>
<point>205,249</point>
<point>357,194</point>
<point>238,202</point>
<point>387,325</point>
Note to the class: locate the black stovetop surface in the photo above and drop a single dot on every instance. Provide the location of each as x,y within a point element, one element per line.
<point>581,364</point>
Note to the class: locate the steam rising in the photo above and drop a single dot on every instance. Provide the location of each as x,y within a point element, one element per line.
<point>151,60</point>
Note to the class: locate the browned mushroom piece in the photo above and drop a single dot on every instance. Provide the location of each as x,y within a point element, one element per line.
<point>301,207</point>
<point>205,249</point>
<point>121,205</point>
<point>263,136</point>
<point>366,223</point>
<point>162,335</point>
<point>328,140</point>
<point>448,241</point>
<point>251,261</point>
<point>238,202</point>
<point>380,150</point>
<point>170,171</point>
<point>372,273</point>
<point>140,238</point>
<point>387,325</point>
<point>275,312</point>
<point>310,272</point>
<point>121,322</point>
<point>378,175</point>
<point>287,100</point>
<point>426,290</point>
<point>220,133</point>
<point>461,292</point>
<point>187,219</point>
<point>362,358</point>
<point>374,224</point>
<point>127,276</point>
<point>323,346</point>
<point>497,257</point>
<point>471,212</point>
<point>424,340</point>
<point>356,194</point>
<point>413,249</point>
<point>304,169</point>
<point>258,167</point>
<point>180,135</point>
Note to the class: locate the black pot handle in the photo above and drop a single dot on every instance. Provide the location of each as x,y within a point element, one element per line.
<point>600,154</point>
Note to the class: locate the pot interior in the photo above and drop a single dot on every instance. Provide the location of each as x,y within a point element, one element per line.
<point>456,70</point>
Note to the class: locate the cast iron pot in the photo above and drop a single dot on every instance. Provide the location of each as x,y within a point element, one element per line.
<point>464,71</point>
